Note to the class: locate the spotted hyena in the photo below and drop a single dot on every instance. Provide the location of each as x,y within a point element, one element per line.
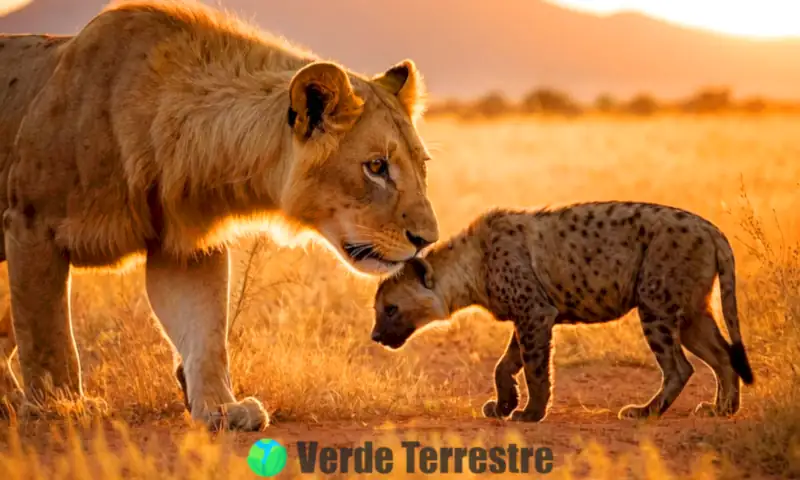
<point>585,263</point>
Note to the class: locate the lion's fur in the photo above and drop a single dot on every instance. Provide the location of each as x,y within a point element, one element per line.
<point>162,127</point>
<point>213,98</point>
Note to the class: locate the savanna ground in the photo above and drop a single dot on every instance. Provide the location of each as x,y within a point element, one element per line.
<point>300,326</point>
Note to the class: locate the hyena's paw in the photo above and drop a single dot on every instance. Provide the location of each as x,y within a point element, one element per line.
<point>246,415</point>
<point>495,409</point>
<point>528,415</point>
<point>708,409</point>
<point>636,412</point>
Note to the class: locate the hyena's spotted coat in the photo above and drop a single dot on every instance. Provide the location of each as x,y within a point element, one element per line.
<point>586,263</point>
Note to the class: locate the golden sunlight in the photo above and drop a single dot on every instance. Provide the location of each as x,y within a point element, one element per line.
<point>746,18</point>
<point>11,5</point>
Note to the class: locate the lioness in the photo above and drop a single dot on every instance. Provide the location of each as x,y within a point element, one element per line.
<point>165,131</point>
<point>586,263</point>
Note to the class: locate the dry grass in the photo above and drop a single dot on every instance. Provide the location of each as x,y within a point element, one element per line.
<point>199,456</point>
<point>300,333</point>
<point>773,302</point>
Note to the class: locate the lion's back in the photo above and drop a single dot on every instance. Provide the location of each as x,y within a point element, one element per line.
<point>26,62</point>
<point>84,108</point>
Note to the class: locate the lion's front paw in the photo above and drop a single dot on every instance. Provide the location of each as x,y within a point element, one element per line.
<point>78,407</point>
<point>246,415</point>
<point>495,409</point>
<point>527,416</point>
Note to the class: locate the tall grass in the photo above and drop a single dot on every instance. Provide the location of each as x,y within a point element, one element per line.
<point>773,317</point>
<point>300,323</point>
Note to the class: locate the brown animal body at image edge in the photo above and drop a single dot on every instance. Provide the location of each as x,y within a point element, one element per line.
<point>161,132</point>
<point>585,263</point>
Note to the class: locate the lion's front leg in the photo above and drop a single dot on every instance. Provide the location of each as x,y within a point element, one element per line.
<point>191,302</point>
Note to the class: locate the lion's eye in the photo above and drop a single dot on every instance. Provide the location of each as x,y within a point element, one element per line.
<point>390,310</point>
<point>378,167</point>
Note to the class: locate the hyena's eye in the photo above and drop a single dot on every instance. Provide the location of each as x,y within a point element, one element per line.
<point>390,310</point>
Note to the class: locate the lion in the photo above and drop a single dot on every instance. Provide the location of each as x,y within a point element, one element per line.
<point>163,132</point>
<point>583,263</point>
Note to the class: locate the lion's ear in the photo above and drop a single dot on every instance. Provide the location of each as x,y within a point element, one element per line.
<point>321,97</point>
<point>423,270</point>
<point>404,81</point>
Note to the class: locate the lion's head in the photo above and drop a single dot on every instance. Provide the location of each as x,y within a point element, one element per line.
<point>406,303</point>
<point>359,164</point>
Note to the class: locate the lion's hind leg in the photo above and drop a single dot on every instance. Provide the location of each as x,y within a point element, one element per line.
<point>191,302</point>
<point>10,391</point>
<point>38,272</point>
<point>8,348</point>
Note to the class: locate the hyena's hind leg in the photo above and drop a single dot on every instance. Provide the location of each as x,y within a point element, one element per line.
<point>661,332</point>
<point>505,382</point>
<point>702,337</point>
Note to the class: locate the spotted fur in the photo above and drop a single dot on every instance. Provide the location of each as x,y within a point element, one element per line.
<point>585,263</point>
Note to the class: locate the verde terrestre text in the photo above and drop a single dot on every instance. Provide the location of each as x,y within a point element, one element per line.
<point>422,459</point>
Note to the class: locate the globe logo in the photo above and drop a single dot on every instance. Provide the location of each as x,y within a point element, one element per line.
<point>267,458</point>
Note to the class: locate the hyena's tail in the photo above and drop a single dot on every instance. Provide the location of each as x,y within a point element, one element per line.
<point>727,288</point>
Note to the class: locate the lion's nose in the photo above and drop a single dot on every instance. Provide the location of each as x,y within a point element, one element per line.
<point>417,240</point>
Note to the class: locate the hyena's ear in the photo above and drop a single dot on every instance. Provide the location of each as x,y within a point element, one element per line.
<point>405,82</point>
<point>423,270</point>
<point>321,97</point>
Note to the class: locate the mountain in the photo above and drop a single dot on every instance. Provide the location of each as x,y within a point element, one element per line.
<point>467,47</point>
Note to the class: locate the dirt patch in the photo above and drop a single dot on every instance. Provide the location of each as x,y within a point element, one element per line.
<point>586,400</point>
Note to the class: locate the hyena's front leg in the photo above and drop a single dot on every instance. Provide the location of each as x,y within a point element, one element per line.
<point>514,293</point>
<point>505,382</point>
<point>535,333</point>
<point>191,302</point>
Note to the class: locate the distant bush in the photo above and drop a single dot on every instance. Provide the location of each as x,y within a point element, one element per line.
<point>711,100</point>
<point>491,105</point>
<point>447,107</point>
<point>605,103</point>
<point>551,101</point>
<point>641,104</point>
<point>754,105</point>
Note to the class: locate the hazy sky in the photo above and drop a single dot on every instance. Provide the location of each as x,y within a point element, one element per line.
<point>6,5</point>
<point>752,18</point>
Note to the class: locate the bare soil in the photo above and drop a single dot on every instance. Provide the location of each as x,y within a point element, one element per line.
<point>586,399</point>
